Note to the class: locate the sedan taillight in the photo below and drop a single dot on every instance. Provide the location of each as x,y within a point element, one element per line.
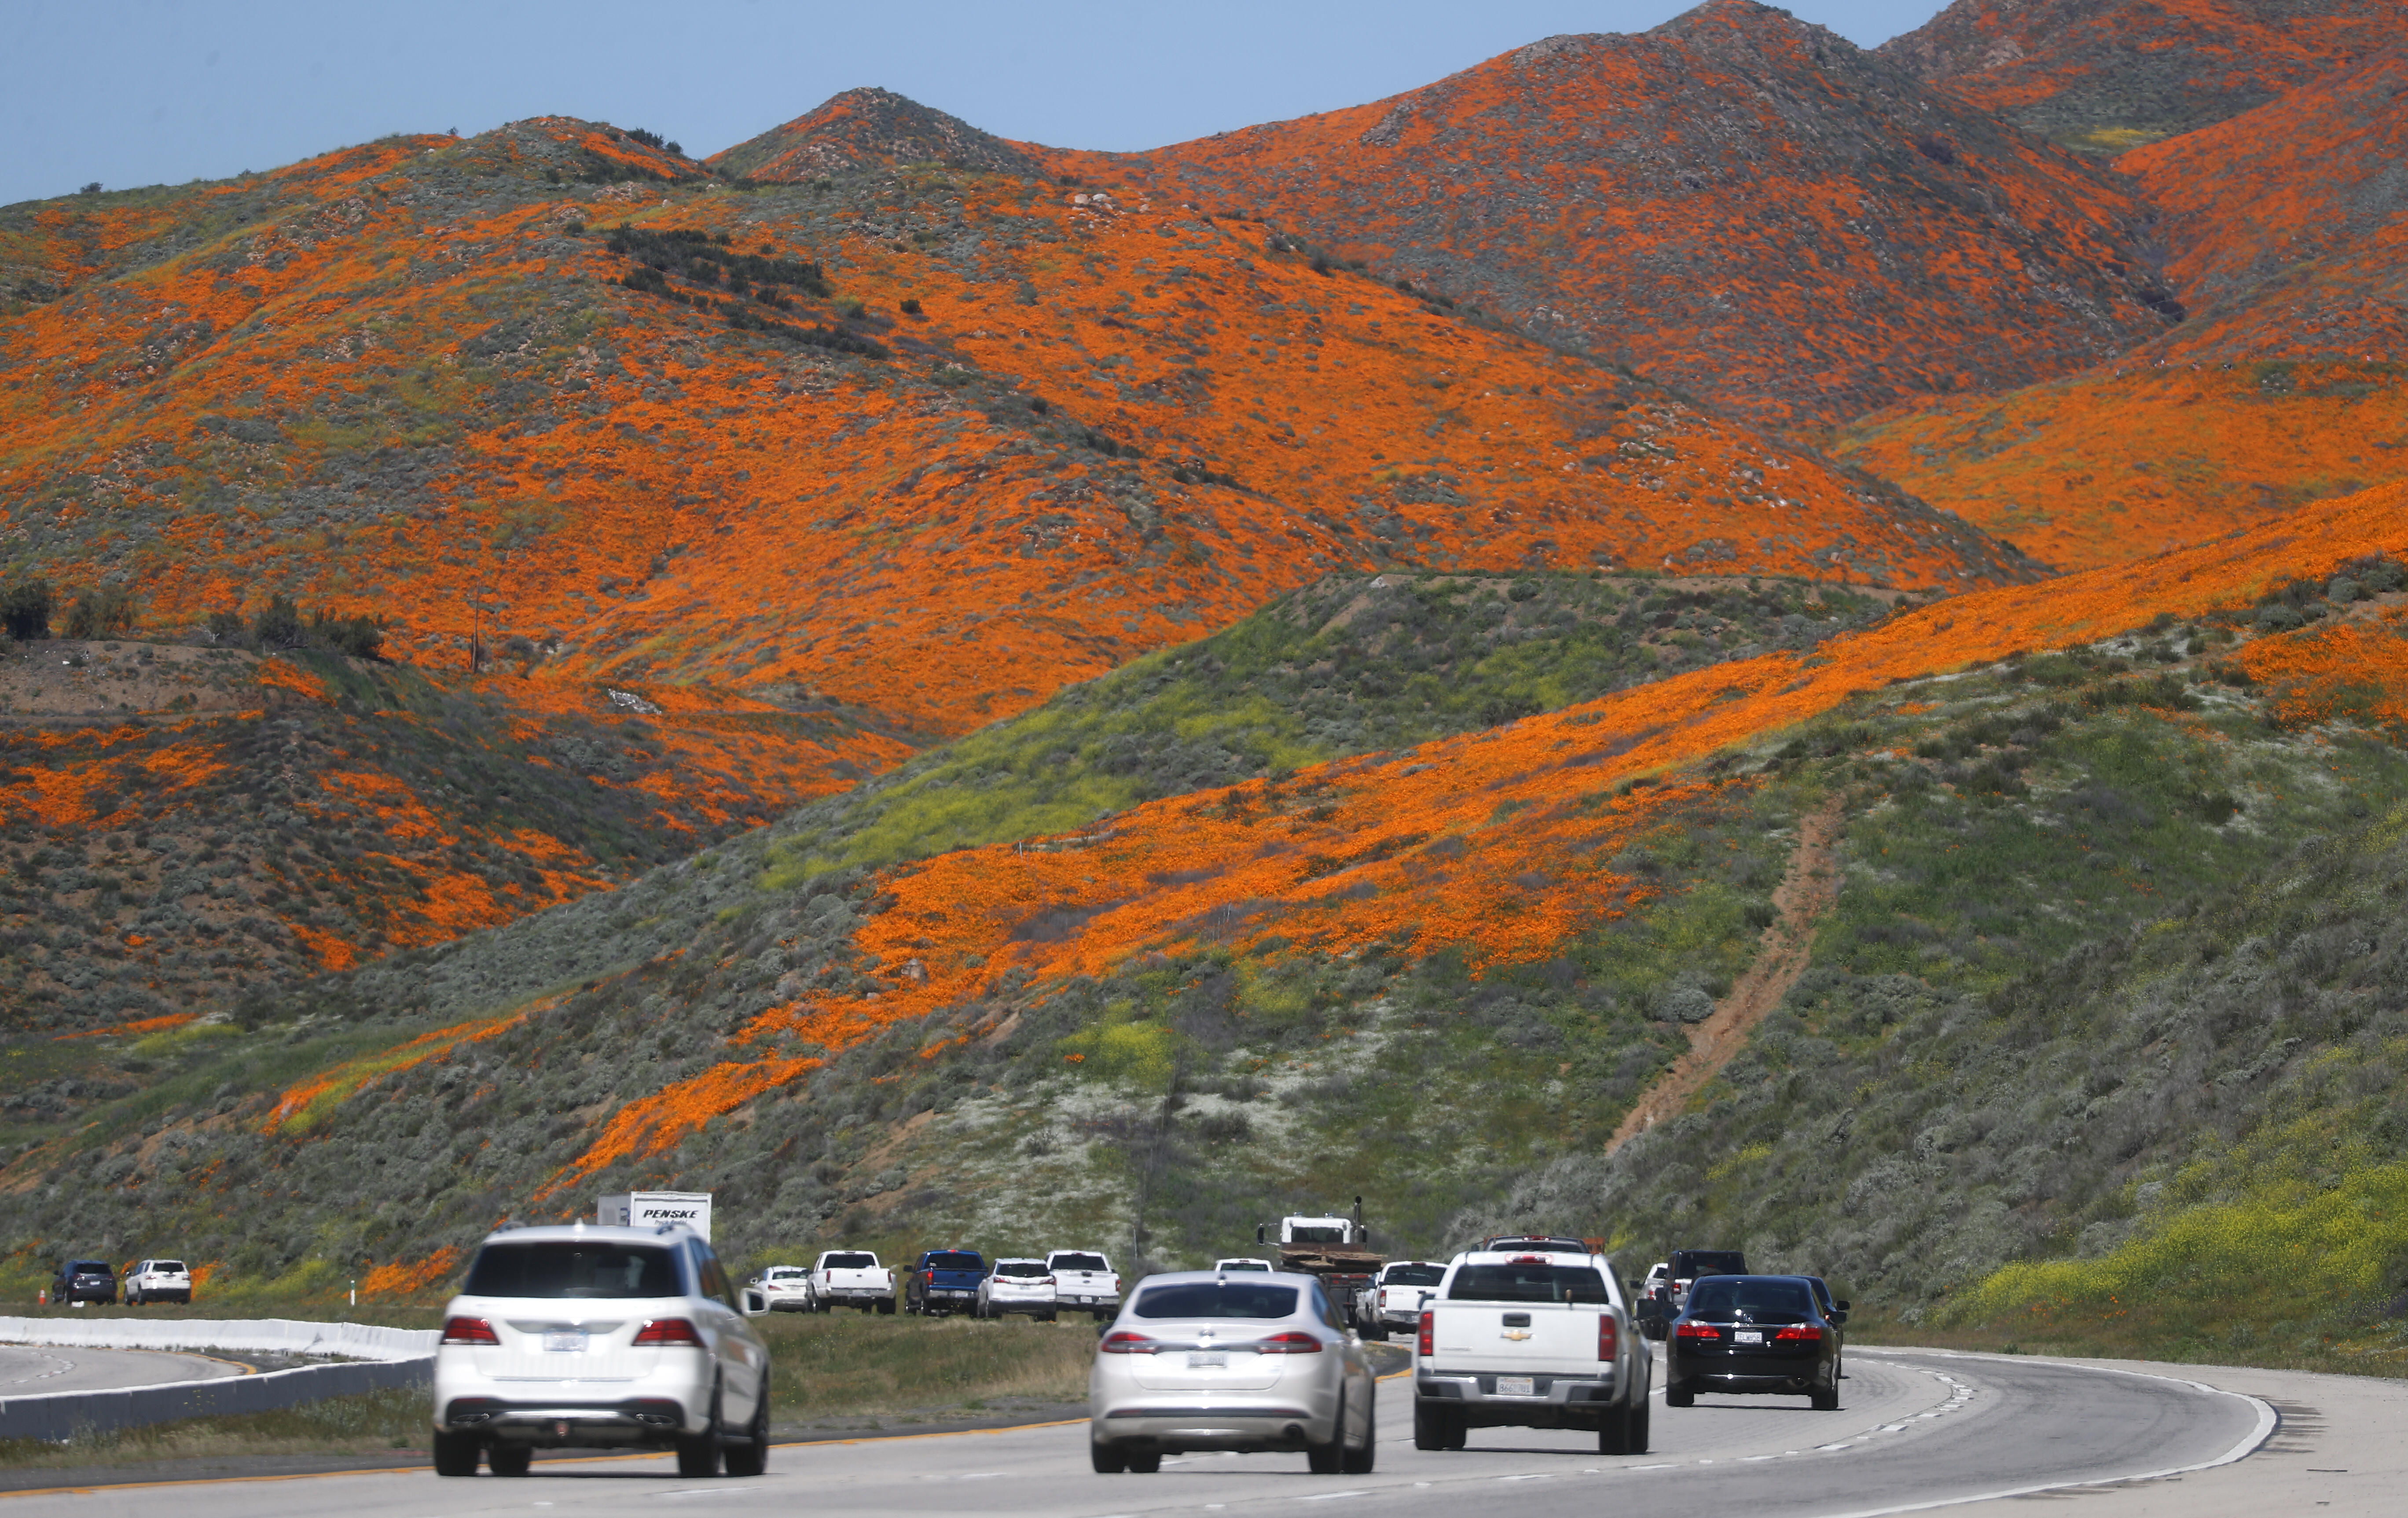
<point>468,1331</point>
<point>1288,1343</point>
<point>1125,1343</point>
<point>1609,1337</point>
<point>668,1331</point>
<point>1802,1334</point>
<point>1697,1330</point>
<point>1429,1327</point>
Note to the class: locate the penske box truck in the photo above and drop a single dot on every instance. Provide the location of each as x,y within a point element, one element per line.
<point>643,1208</point>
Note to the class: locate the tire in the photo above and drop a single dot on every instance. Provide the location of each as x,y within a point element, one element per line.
<point>1108,1458</point>
<point>1378,1332</point>
<point>511,1460</point>
<point>1047,1317</point>
<point>1147,1464</point>
<point>1826,1401</point>
<point>1359,1462</point>
<point>698,1455</point>
<point>455,1454</point>
<point>885,1307</point>
<point>1429,1427</point>
<point>1615,1435</point>
<point>1680,1397</point>
<point>752,1457</point>
<point>1330,1458</point>
<point>1638,1426</point>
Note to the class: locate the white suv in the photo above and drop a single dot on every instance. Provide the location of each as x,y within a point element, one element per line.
<point>1017,1286</point>
<point>593,1337</point>
<point>158,1281</point>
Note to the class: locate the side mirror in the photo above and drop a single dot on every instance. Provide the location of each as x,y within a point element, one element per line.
<point>756,1303</point>
<point>1842,1306</point>
<point>1839,1316</point>
<point>1259,1230</point>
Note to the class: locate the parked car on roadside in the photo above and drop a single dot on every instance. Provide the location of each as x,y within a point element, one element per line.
<point>1394,1303</point>
<point>1018,1285</point>
<point>1084,1281</point>
<point>944,1280</point>
<point>1205,1360</point>
<point>1530,1339</point>
<point>1766,1334</point>
<point>788,1287</point>
<point>586,1336</point>
<point>158,1281</point>
<point>79,1282</point>
<point>852,1278</point>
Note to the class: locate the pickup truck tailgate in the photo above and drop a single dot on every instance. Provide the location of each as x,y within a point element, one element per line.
<point>1541,1335</point>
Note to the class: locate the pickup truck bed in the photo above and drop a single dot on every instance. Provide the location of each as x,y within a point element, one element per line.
<point>1530,1342</point>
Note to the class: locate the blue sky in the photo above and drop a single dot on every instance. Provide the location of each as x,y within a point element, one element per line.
<point>151,92</point>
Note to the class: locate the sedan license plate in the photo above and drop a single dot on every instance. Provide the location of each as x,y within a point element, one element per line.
<point>1517,1386</point>
<point>1207,1360</point>
<point>565,1343</point>
<point>1747,1335</point>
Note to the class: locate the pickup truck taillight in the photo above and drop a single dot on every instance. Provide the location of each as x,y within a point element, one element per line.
<point>468,1331</point>
<point>1125,1343</point>
<point>1609,1337</point>
<point>1288,1343</point>
<point>1430,1328</point>
<point>668,1331</point>
<point>1804,1333</point>
<point>1697,1330</point>
<point>932,1278</point>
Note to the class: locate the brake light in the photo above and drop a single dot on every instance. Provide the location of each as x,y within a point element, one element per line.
<point>1288,1343</point>
<point>468,1331</point>
<point>1125,1342</point>
<point>1697,1330</point>
<point>668,1331</point>
<point>932,1278</point>
<point>1805,1333</point>
<point>1609,1337</point>
<point>1429,1331</point>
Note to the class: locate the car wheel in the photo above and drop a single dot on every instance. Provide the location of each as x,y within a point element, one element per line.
<point>1378,1331</point>
<point>1148,1463</point>
<point>1826,1401</point>
<point>511,1460</point>
<point>1109,1459</point>
<point>1639,1424</point>
<point>1680,1397</point>
<point>886,1307</point>
<point>752,1457</point>
<point>1359,1462</point>
<point>1330,1458</point>
<point>1429,1427</point>
<point>1613,1435</point>
<point>698,1454</point>
<point>455,1454</point>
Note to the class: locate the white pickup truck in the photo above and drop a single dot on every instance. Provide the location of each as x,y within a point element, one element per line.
<point>855,1278</point>
<point>1394,1302</point>
<point>1529,1340</point>
<point>1084,1281</point>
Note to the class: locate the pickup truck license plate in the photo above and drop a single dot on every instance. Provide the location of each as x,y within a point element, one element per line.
<point>1207,1361</point>
<point>1517,1386</point>
<point>565,1343</point>
<point>1747,1335</point>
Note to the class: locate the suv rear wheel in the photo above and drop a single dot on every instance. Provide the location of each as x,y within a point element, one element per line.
<point>511,1460</point>
<point>752,1457</point>
<point>455,1454</point>
<point>698,1454</point>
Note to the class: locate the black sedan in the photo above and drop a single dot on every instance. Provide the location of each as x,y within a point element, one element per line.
<point>1755,1334</point>
<point>84,1280</point>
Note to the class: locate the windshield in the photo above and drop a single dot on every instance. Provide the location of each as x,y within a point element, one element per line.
<point>849,1262</point>
<point>956,1260</point>
<point>1244,1265</point>
<point>572,1268</point>
<point>1413,1275</point>
<point>1305,1233</point>
<point>1021,1267</point>
<point>1709,1262</point>
<point>1742,1300</point>
<point>1080,1262</point>
<point>1527,1283</point>
<point>1217,1300</point>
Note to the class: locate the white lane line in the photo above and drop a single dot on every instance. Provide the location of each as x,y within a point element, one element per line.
<point>1332,1496</point>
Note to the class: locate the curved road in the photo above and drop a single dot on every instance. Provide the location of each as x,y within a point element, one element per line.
<point>26,1371</point>
<point>1917,1429</point>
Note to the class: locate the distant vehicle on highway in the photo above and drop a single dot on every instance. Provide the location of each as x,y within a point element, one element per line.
<point>1241,1262</point>
<point>1536,1243</point>
<point>1688,1265</point>
<point>1084,1281</point>
<point>79,1282</point>
<point>852,1278</point>
<point>1394,1303</point>
<point>1530,1339</point>
<point>787,1287</point>
<point>1654,1309</point>
<point>1268,1354</point>
<point>1755,1334</point>
<point>587,1337</point>
<point>943,1281</point>
<point>158,1281</point>
<point>1017,1285</point>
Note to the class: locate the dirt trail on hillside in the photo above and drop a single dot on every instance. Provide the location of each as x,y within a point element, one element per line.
<point>1804,894</point>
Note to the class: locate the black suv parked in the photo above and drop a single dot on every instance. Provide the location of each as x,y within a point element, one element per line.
<point>84,1280</point>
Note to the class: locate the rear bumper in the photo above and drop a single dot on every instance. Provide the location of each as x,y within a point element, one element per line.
<point>1788,1374</point>
<point>1171,1426</point>
<point>1578,1401</point>
<point>565,1422</point>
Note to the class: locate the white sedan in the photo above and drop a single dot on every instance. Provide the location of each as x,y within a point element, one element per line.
<point>788,1287</point>
<point>1253,1362</point>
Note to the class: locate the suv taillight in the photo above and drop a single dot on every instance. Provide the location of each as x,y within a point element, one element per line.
<point>1429,1327</point>
<point>1609,1337</point>
<point>1125,1343</point>
<point>468,1331</point>
<point>668,1331</point>
<point>1288,1343</point>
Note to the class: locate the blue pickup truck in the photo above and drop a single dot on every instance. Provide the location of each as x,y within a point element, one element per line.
<point>944,1280</point>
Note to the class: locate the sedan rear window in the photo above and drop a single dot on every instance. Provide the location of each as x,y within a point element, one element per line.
<point>1080,1262</point>
<point>851,1262</point>
<point>1217,1300</point>
<point>568,1268</point>
<point>1021,1267</point>
<point>1739,1297</point>
<point>956,1262</point>
<point>1527,1283</point>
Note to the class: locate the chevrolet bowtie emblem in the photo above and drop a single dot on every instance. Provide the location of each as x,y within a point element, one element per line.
<point>1517,1333</point>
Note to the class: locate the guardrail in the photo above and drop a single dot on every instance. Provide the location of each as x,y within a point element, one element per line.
<point>380,1359</point>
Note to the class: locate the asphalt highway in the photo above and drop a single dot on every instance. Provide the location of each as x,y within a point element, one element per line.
<point>1916,1429</point>
<point>28,1371</point>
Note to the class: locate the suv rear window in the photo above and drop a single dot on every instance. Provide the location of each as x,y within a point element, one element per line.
<point>572,1268</point>
<point>1080,1262</point>
<point>168,1268</point>
<point>1217,1300</point>
<point>1726,1297</point>
<point>1021,1267</point>
<point>88,1268</point>
<point>1690,1264</point>
<point>1413,1275</point>
<point>1527,1283</point>
<point>851,1262</point>
<point>956,1262</point>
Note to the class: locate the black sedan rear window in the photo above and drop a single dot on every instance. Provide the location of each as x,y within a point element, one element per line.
<point>567,1268</point>
<point>1217,1300</point>
<point>956,1262</point>
<point>1527,1283</point>
<point>1728,1298</point>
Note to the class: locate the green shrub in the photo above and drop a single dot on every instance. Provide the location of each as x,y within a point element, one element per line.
<point>25,608</point>
<point>99,614</point>
<point>278,624</point>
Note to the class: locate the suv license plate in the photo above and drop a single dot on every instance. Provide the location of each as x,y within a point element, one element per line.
<point>565,1343</point>
<point>1747,1335</point>
<point>1206,1361</point>
<point>1517,1386</point>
